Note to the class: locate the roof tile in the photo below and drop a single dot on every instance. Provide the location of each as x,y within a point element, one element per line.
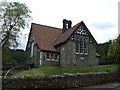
<point>48,37</point>
<point>45,36</point>
<point>63,37</point>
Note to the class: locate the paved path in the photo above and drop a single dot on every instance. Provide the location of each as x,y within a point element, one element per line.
<point>115,86</point>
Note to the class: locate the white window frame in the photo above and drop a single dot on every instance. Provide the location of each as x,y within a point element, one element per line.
<point>86,44</point>
<point>47,55</point>
<point>41,58</point>
<point>52,57</point>
<point>81,44</point>
<point>82,58</point>
<point>77,47</point>
<point>40,55</point>
<point>32,47</point>
<point>56,57</point>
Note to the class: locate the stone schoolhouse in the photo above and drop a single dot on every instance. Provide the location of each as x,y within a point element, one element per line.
<point>69,46</point>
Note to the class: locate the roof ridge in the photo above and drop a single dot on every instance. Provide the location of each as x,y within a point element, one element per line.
<point>47,26</point>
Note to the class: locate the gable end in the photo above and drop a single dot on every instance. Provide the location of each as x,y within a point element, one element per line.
<point>82,30</point>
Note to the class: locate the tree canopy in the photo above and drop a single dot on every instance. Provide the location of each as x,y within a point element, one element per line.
<point>14,16</point>
<point>114,49</point>
<point>102,49</point>
<point>16,57</point>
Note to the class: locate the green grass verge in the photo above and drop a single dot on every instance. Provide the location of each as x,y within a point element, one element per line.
<point>50,70</point>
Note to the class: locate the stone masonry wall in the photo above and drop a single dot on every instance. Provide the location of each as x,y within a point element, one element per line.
<point>58,81</point>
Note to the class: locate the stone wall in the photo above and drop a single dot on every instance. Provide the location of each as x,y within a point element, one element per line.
<point>59,81</point>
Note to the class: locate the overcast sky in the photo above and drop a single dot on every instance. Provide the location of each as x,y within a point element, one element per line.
<point>100,16</point>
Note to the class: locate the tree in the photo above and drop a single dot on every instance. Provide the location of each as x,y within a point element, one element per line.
<point>20,56</point>
<point>16,57</point>
<point>14,16</point>
<point>114,49</point>
<point>102,49</point>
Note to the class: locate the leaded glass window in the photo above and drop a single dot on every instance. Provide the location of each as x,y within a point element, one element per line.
<point>85,45</point>
<point>81,45</point>
<point>77,47</point>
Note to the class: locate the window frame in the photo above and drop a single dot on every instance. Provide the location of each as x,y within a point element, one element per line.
<point>52,57</point>
<point>47,55</point>
<point>41,56</point>
<point>81,45</point>
<point>32,49</point>
<point>77,47</point>
<point>56,57</point>
<point>85,46</point>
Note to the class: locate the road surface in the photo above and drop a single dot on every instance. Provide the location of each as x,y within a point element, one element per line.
<point>115,86</point>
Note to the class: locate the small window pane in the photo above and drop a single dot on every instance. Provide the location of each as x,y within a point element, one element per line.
<point>40,55</point>
<point>52,57</point>
<point>77,47</point>
<point>55,56</point>
<point>81,47</point>
<point>43,57</point>
<point>48,56</point>
<point>85,46</point>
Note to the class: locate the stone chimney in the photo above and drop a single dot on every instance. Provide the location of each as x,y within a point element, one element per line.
<point>66,25</point>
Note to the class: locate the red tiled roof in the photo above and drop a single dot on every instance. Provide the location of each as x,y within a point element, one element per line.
<point>45,36</point>
<point>63,37</point>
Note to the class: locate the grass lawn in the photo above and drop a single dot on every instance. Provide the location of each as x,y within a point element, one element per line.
<point>60,70</point>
